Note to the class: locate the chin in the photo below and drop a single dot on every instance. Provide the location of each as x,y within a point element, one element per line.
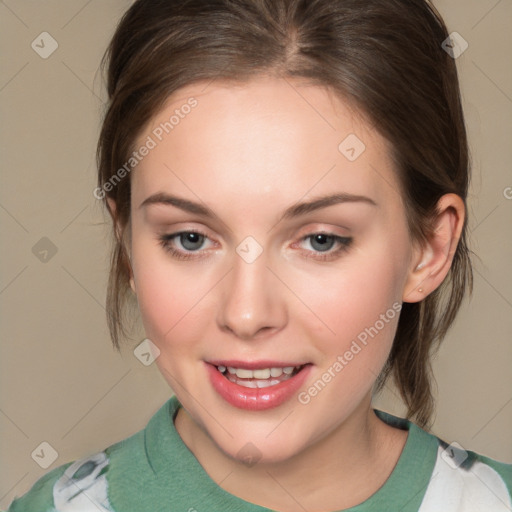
<point>250,448</point>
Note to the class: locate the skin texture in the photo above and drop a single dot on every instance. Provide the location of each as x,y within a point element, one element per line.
<point>248,152</point>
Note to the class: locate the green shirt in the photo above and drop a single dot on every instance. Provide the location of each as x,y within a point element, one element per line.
<point>154,471</point>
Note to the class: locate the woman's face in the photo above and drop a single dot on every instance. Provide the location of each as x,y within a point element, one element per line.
<point>265,284</point>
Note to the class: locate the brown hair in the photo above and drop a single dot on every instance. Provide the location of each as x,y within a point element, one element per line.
<point>383,56</point>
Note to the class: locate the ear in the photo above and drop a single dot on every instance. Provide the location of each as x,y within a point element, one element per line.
<point>431,262</point>
<point>112,207</point>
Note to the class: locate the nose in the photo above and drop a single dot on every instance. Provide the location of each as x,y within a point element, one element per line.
<point>252,304</point>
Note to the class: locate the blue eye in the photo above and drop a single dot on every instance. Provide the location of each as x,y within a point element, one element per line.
<point>322,241</point>
<point>322,244</point>
<point>192,241</point>
<point>189,240</point>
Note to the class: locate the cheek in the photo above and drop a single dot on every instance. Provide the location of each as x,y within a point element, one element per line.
<point>353,312</point>
<point>346,299</point>
<point>359,311</point>
<point>169,296</point>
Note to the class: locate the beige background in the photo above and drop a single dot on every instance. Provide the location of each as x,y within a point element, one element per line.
<point>60,379</point>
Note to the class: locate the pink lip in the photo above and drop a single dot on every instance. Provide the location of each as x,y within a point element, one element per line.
<point>255,399</point>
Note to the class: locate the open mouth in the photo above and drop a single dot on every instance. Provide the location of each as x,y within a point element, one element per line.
<point>257,385</point>
<point>260,378</point>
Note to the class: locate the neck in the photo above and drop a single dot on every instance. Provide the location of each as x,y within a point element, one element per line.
<point>340,470</point>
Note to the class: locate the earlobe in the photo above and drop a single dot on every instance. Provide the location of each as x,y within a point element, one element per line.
<point>433,260</point>
<point>414,290</point>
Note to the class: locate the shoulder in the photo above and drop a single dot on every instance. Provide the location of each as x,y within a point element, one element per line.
<point>84,484</point>
<point>107,480</point>
<point>467,481</point>
<point>448,477</point>
<point>75,486</point>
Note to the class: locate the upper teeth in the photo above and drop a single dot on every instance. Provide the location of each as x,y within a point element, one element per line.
<point>263,373</point>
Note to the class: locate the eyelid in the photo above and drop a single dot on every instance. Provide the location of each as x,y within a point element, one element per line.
<point>319,228</point>
<point>302,234</point>
<point>169,230</point>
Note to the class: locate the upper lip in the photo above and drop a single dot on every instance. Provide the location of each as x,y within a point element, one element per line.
<point>254,365</point>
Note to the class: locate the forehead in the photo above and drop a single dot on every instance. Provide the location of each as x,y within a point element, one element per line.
<point>281,138</point>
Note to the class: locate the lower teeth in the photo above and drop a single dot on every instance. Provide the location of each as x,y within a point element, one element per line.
<point>253,383</point>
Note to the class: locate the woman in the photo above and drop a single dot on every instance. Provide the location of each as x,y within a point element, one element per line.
<point>287,182</point>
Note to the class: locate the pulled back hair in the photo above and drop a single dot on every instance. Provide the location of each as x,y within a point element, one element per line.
<point>382,56</point>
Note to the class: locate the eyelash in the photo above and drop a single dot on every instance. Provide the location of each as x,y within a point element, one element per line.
<point>344,242</point>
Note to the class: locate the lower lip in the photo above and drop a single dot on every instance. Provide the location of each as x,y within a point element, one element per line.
<point>256,399</point>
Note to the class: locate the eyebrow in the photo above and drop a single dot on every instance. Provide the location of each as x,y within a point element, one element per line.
<point>293,211</point>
